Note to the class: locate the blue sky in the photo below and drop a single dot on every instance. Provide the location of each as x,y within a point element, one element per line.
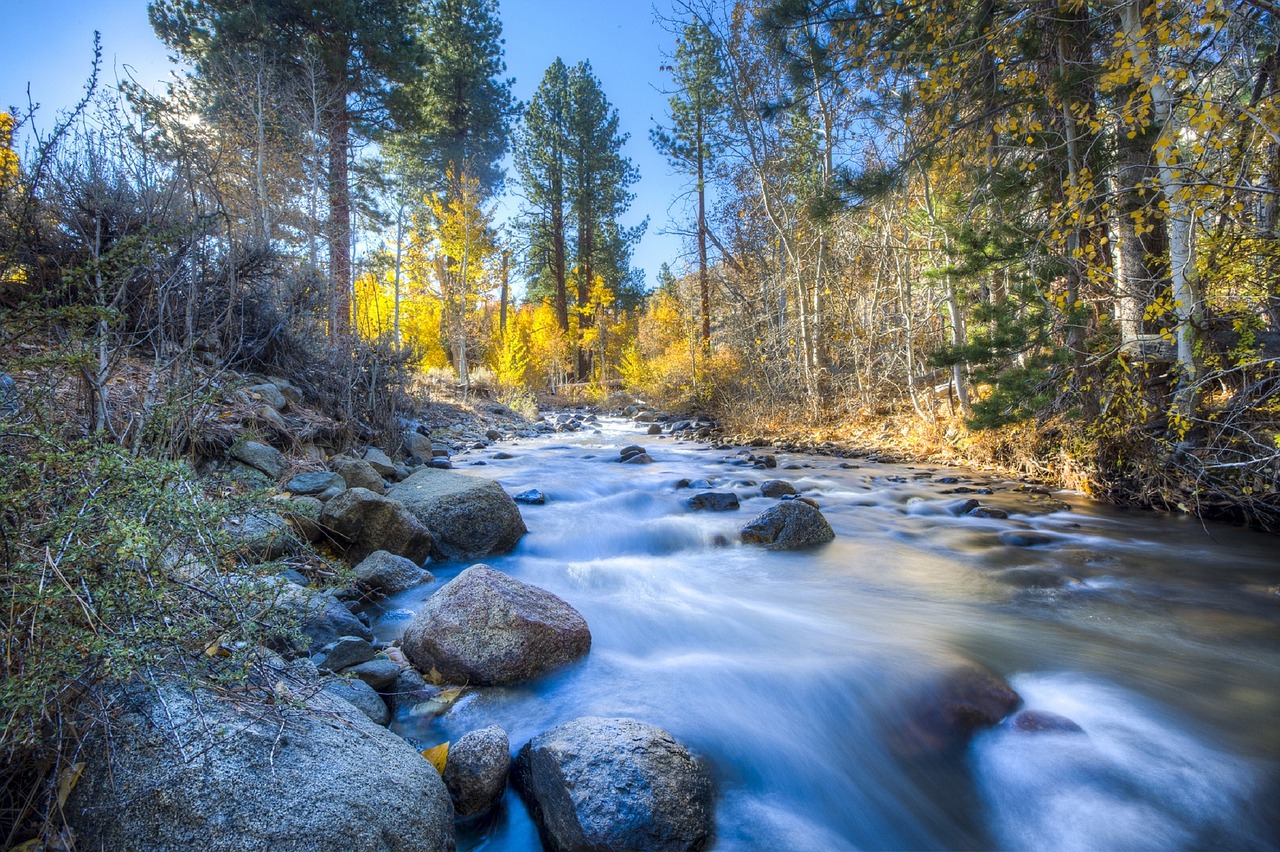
<point>48,44</point>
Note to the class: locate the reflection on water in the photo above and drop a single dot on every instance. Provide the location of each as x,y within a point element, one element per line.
<point>783,670</point>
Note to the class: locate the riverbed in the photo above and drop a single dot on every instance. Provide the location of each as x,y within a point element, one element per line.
<point>784,671</point>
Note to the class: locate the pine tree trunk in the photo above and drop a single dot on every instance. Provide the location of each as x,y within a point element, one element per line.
<point>340,222</point>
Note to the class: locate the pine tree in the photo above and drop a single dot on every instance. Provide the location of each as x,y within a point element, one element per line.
<point>364,49</point>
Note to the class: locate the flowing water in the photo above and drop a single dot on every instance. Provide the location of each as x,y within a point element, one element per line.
<point>785,672</point>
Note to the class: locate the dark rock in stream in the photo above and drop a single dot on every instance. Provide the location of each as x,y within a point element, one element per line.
<point>469,517</point>
<point>777,488</point>
<point>947,708</point>
<point>790,525</point>
<point>598,783</point>
<point>713,501</point>
<point>630,452</point>
<point>642,458</point>
<point>654,429</point>
<point>187,769</point>
<point>532,497</point>
<point>476,770</point>
<point>485,628</point>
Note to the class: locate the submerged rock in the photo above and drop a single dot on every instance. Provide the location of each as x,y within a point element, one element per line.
<point>187,769</point>
<point>468,516</point>
<point>486,628</point>
<point>1043,722</point>
<point>947,707</point>
<point>598,783</point>
<point>788,526</point>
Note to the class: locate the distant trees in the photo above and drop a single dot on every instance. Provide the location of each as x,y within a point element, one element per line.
<point>576,185</point>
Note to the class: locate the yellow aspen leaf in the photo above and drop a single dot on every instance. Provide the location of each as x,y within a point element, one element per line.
<point>67,781</point>
<point>437,756</point>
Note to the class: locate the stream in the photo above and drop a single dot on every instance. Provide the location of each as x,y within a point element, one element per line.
<point>1156,634</point>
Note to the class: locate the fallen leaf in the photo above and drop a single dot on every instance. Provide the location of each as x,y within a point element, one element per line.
<point>67,782</point>
<point>437,756</point>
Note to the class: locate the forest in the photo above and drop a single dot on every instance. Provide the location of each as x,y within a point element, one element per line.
<point>1042,232</point>
<point>1029,236</point>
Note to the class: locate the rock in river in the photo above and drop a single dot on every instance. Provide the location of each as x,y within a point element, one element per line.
<point>615,784</point>
<point>190,770</point>
<point>485,628</point>
<point>713,501</point>
<point>948,706</point>
<point>476,770</point>
<point>788,526</point>
<point>470,517</point>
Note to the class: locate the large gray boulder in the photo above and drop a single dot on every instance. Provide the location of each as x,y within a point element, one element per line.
<point>789,525</point>
<point>418,445</point>
<point>190,770</point>
<point>469,517</point>
<point>368,522</point>
<point>476,770</point>
<point>382,573</point>
<point>615,784</point>
<point>261,457</point>
<point>484,628</point>
<point>315,483</point>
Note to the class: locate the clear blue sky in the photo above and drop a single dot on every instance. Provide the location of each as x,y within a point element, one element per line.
<point>48,45</point>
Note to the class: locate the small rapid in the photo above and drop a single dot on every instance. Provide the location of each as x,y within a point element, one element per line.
<point>785,671</point>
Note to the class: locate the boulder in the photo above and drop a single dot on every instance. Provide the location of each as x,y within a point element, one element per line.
<point>382,573</point>
<point>369,522</point>
<point>418,444</point>
<point>493,435</point>
<point>362,697</point>
<point>380,461</point>
<point>320,617</point>
<point>788,526</point>
<point>713,501</point>
<point>262,536</point>
<point>380,673</point>
<point>304,514</point>
<point>630,452</point>
<point>639,458</point>
<point>468,516</point>
<point>345,652</point>
<point>259,456</point>
<point>615,784</point>
<point>532,497</point>
<point>315,483</point>
<point>475,772</point>
<point>944,709</point>
<point>654,429</point>
<point>358,473</point>
<point>486,628</point>
<point>269,394</point>
<point>188,769</point>
<point>776,488</point>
